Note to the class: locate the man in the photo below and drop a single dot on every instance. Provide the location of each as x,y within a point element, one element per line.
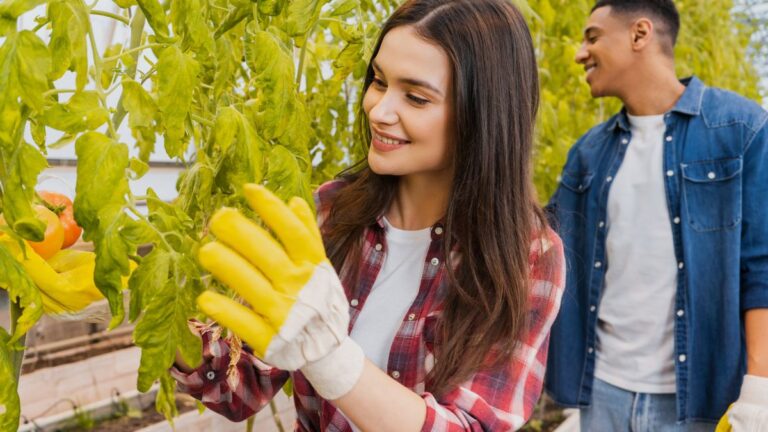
<point>663,211</point>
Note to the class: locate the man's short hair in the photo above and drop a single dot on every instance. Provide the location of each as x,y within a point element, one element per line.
<point>662,12</point>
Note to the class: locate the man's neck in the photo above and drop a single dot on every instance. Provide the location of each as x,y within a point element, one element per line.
<point>656,92</point>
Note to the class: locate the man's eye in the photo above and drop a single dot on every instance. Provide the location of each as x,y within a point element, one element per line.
<point>418,100</point>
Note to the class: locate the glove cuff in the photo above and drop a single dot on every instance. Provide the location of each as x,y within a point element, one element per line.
<point>334,375</point>
<point>754,390</point>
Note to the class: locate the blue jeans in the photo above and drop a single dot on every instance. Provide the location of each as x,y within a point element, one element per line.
<point>617,410</point>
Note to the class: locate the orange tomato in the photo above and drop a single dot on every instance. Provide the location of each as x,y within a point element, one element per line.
<point>62,206</point>
<point>54,233</point>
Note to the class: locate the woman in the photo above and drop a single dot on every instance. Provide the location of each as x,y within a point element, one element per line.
<point>449,106</point>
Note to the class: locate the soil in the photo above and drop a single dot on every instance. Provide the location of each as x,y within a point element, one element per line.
<point>129,420</point>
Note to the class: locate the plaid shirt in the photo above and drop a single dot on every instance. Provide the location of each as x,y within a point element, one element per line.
<point>490,400</point>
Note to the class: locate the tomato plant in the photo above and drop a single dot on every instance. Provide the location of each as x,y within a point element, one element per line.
<point>62,206</point>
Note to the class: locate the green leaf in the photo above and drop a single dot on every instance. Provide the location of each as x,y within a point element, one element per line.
<point>10,10</point>
<point>10,405</point>
<point>147,280</point>
<point>244,156</point>
<point>24,166</point>
<point>82,112</point>
<point>112,262</point>
<point>343,7</point>
<point>21,289</point>
<point>109,68</point>
<point>163,327</point>
<point>301,15</point>
<point>24,65</point>
<point>284,175</point>
<point>101,178</point>
<point>228,57</point>
<point>188,18</point>
<point>270,7</point>
<point>178,79</point>
<point>142,111</point>
<point>71,23</point>
<point>155,14</point>
<point>165,403</point>
<point>139,168</point>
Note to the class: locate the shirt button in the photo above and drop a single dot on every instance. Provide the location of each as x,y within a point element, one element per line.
<point>625,141</point>
<point>598,264</point>
<point>592,308</point>
<point>609,179</point>
<point>711,175</point>
<point>435,261</point>
<point>411,317</point>
<point>439,230</point>
<point>590,350</point>
<point>670,173</point>
<point>378,247</point>
<point>680,265</point>
<point>601,224</point>
<point>676,220</point>
<point>680,312</point>
<point>210,375</point>
<point>354,302</point>
<point>682,358</point>
<point>395,374</point>
<point>669,139</point>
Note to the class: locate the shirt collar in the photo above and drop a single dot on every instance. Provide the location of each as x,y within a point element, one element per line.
<point>689,103</point>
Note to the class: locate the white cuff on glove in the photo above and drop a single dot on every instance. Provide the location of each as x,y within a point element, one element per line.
<point>750,412</point>
<point>334,375</point>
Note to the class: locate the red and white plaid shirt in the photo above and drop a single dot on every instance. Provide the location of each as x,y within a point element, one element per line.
<point>490,400</point>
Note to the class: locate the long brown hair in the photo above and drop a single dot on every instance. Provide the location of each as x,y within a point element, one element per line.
<point>492,214</point>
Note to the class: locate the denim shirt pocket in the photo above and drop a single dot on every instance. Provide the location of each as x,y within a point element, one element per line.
<point>712,193</point>
<point>576,182</point>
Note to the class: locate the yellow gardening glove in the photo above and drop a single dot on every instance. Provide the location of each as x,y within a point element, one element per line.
<point>750,412</point>
<point>298,315</point>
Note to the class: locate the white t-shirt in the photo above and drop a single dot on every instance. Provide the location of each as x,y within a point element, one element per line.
<point>635,348</point>
<point>393,293</point>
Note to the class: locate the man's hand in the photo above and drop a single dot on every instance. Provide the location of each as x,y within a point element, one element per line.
<point>750,412</point>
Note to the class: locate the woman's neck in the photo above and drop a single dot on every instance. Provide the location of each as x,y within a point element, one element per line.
<point>419,202</point>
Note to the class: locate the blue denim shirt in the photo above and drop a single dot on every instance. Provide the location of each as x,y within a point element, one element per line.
<point>716,182</point>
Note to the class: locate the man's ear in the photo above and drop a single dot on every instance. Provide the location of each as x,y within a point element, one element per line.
<point>642,33</point>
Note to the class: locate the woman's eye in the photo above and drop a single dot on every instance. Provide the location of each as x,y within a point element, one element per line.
<point>417,100</point>
<point>379,83</point>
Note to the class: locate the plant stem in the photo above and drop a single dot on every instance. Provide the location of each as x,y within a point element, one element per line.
<point>97,66</point>
<point>18,356</point>
<point>201,120</point>
<point>120,18</point>
<point>276,416</point>
<point>137,28</point>
<point>131,51</point>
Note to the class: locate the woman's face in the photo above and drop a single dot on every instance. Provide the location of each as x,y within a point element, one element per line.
<point>409,107</point>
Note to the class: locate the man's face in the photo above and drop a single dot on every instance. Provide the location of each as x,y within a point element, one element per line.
<point>606,53</point>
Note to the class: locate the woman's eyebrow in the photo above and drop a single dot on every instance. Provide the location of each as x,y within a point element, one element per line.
<point>410,81</point>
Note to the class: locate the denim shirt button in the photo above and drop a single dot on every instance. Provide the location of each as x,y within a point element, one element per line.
<point>669,138</point>
<point>598,264</point>
<point>601,224</point>
<point>676,220</point>
<point>680,312</point>
<point>670,173</point>
<point>592,308</point>
<point>682,358</point>
<point>590,350</point>
<point>711,175</point>
<point>680,265</point>
<point>609,179</point>
<point>625,141</point>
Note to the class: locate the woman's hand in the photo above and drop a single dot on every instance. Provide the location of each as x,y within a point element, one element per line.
<point>298,315</point>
